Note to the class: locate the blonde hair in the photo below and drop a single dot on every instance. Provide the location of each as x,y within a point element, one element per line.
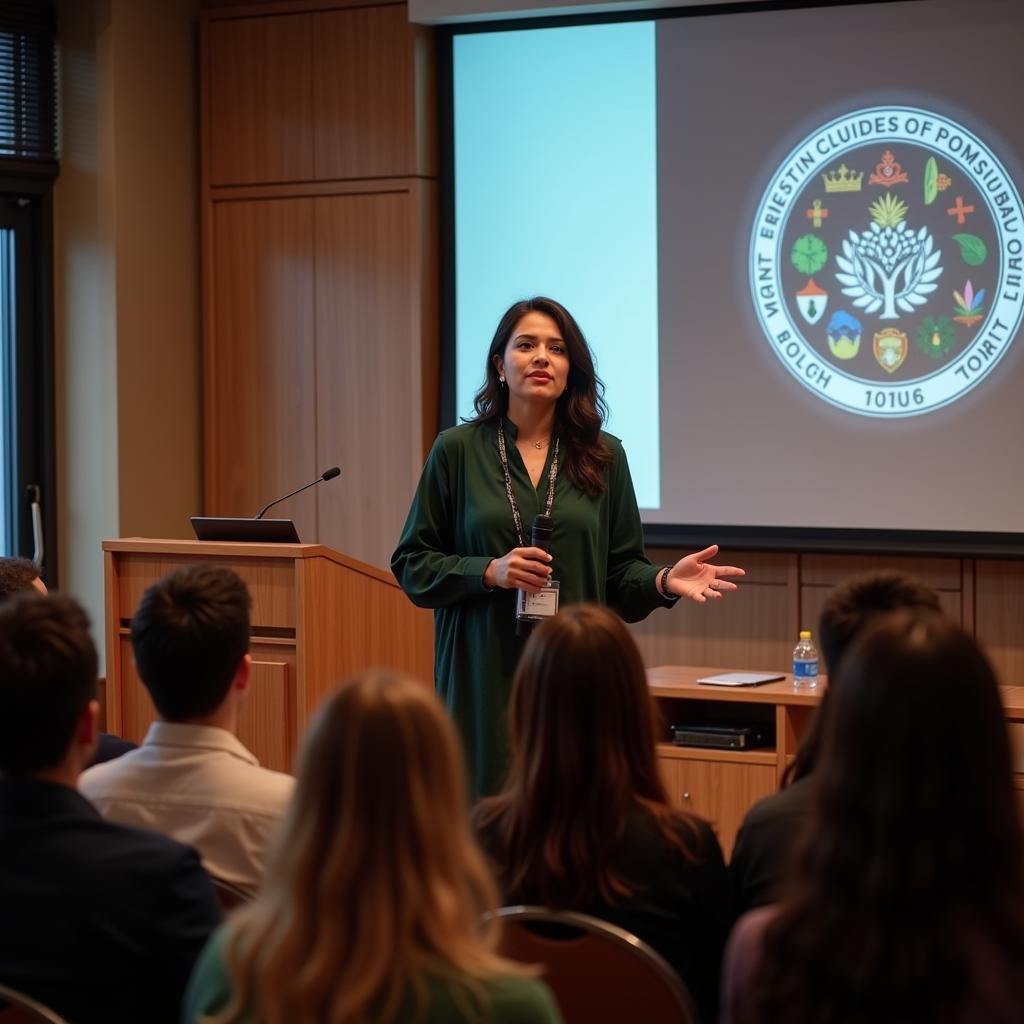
<point>375,884</point>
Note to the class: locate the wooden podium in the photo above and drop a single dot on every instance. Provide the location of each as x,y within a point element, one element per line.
<point>318,617</point>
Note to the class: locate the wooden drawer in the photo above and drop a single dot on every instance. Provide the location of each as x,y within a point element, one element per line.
<point>719,791</point>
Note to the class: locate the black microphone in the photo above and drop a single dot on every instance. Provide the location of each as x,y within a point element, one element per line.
<point>327,474</point>
<point>540,537</point>
<point>540,534</point>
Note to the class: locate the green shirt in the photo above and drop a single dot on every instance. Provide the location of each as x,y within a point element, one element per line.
<point>510,999</point>
<point>460,519</point>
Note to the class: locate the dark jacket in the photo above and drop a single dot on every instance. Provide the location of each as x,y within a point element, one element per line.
<point>100,922</point>
<point>764,843</point>
<point>681,908</point>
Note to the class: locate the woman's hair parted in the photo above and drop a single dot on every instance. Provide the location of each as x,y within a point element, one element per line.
<point>375,883</point>
<point>580,411</point>
<point>583,762</point>
<point>914,846</point>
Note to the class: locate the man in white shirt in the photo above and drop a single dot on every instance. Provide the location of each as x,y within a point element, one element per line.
<point>192,778</point>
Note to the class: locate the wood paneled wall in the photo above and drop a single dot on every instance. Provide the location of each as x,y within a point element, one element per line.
<point>783,593</point>
<point>319,264</point>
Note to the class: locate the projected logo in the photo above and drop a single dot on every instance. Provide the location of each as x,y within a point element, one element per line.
<point>887,261</point>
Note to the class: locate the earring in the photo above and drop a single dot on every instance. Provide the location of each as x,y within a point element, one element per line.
<point>501,380</point>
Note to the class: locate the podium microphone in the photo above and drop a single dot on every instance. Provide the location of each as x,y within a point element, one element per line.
<point>327,474</point>
<point>540,537</point>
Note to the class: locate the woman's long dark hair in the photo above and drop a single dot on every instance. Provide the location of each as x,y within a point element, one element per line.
<point>580,410</point>
<point>582,735</point>
<point>913,857</point>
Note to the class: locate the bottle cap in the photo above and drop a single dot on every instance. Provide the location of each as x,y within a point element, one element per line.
<point>805,634</point>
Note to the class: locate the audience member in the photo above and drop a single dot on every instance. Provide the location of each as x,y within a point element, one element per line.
<point>373,900</point>
<point>583,821</point>
<point>192,778</point>
<point>102,923</point>
<point>905,899</point>
<point>18,575</point>
<point>765,837</point>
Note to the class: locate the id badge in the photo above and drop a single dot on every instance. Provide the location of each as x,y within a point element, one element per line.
<point>541,605</point>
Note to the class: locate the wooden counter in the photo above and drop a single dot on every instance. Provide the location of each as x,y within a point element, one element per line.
<point>721,785</point>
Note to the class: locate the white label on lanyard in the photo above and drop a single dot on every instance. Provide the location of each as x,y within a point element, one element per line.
<point>541,605</point>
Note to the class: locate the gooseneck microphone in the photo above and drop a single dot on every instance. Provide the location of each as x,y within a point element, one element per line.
<point>327,474</point>
<point>540,537</point>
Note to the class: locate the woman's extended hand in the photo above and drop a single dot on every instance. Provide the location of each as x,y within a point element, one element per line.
<point>696,578</point>
<point>521,569</point>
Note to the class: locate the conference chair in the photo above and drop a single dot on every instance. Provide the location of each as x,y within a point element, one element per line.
<point>599,973</point>
<point>229,896</point>
<point>17,1008</point>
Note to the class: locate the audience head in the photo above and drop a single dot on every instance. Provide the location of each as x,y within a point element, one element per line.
<point>190,635</point>
<point>580,711</point>
<point>849,609</point>
<point>375,881</point>
<point>916,735</point>
<point>17,575</point>
<point>583,760</point>
<point>860,601</point>
<point>48,684</point>
<point>914,845</point>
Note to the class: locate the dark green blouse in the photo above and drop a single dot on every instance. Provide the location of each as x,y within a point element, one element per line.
<point>460,519</point>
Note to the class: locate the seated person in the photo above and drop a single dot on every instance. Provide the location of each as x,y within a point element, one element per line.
<point>583,821</point>
<point>371,910</point>
<point>18,575</point>
<point>765,836</point>
<point>904,900</point>
<point>100,922</point>
<point>192,778</point>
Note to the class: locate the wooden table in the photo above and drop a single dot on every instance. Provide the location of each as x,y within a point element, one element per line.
<point>721,785</point>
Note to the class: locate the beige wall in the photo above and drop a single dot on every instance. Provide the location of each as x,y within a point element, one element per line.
<point>126,281</point>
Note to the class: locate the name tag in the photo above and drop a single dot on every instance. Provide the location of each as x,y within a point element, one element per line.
<point>541,605</point>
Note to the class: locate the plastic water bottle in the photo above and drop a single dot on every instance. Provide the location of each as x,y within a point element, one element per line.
<point>805,662</point>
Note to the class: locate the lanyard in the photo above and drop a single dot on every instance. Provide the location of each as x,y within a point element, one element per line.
<point>552,473</point>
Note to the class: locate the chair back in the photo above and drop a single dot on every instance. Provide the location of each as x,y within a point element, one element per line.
<point>599,973</point>
<point>17,1008</point>
<point>229,895</point>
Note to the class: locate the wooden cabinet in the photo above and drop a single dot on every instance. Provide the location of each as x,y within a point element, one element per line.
<point>719,789</point>
<point>722,785</point>
<point>317,95</point>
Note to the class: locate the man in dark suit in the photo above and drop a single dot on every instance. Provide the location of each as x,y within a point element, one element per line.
<point>97,921</point>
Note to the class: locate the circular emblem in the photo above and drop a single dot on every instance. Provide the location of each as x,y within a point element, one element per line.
<point>887,261</point>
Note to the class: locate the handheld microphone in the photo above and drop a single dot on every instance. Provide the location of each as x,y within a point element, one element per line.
<point>540,533</point>
<point>540,537</point>
<point>327,474</point>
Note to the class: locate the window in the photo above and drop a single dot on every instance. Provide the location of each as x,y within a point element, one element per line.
<point>28,164</point>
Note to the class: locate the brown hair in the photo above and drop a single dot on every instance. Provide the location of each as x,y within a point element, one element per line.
<point>189,634</point>
<point>47,679</point>
<point>913,855</point>
<point>580,410</point>
<point>375,884</point>
<point>582,733</point>
<point>16,575</point>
